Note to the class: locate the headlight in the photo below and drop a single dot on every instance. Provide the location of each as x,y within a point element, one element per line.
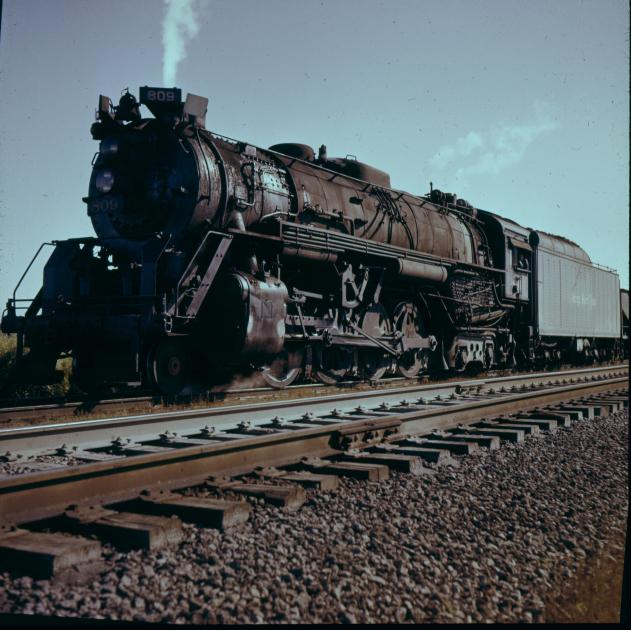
<point>104,181</point>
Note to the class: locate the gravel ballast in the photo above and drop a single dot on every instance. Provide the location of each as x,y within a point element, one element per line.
<point>490,540</point>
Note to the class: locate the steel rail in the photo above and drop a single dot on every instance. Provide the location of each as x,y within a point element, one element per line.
<point>29,497</point>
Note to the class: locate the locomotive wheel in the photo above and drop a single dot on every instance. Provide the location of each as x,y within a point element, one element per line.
<point>374,364</point>
<point>410,363</point>
<point>284,369</point>
<point>169,366</point>
<point>376,323</point>
<point>406,322</point>
<point>333,364</point>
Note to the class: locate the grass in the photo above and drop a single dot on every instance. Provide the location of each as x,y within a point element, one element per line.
<point>8,344</point>
<point>595,593</point>
<point>8,349</point>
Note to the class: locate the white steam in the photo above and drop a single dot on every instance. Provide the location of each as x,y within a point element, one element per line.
<point>180,25</point>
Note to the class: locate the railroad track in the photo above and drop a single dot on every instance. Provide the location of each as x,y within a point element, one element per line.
<point>40,411</point>
<point>123,489</point>
<point>88,440</point>
<point>45,410</point>
<point>14,412</point>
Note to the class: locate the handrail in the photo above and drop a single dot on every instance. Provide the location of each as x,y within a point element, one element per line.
<point>17,286</point>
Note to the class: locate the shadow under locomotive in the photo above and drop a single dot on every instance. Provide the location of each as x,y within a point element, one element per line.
<point>214,256</point>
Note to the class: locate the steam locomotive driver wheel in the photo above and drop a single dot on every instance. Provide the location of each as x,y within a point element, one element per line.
<point>407,323</point>
<point>374,361</point>
<point>169,365</point>
<point>284,369</point>
<point>332,364</point>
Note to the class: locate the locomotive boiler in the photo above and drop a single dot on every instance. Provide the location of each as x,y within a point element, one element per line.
<point>214,256</point>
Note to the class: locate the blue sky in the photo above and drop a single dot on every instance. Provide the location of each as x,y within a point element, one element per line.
<point>522,108</point>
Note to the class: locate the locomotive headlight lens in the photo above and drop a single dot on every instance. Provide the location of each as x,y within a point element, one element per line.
<point>109,147</point>
<point>104,181</point>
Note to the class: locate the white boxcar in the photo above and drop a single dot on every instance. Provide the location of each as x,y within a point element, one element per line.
<point>574,297</point>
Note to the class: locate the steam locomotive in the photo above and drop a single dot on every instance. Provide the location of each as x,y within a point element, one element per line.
<point>214,256</point>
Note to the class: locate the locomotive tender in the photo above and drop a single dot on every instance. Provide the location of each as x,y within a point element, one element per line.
<point>214,256</point>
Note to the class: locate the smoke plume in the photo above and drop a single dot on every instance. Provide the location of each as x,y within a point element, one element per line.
<point>497,148</point>
<point>180,25</point>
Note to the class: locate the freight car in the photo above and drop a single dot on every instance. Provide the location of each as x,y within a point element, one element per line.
<point>213,256</point>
